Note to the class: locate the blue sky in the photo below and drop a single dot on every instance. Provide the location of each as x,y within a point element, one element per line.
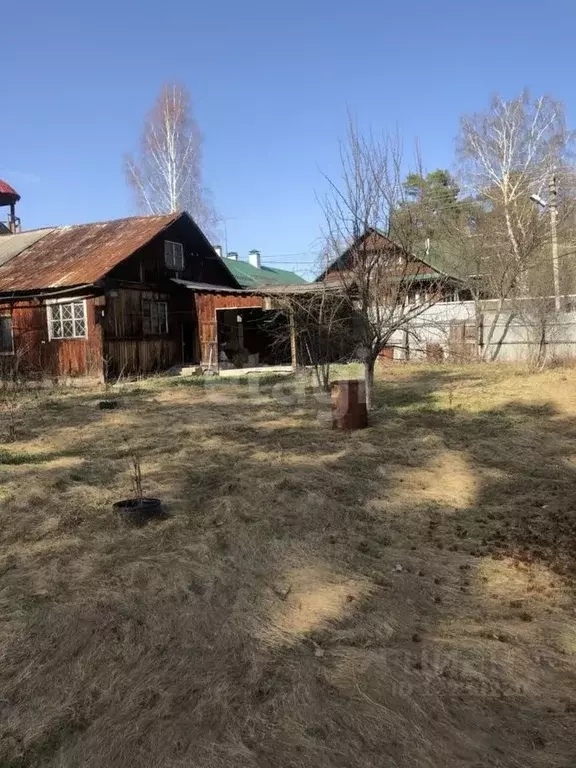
<point>271,83</point>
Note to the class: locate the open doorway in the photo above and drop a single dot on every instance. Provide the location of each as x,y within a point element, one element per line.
<point>250,338</point>
<point>189,344</point>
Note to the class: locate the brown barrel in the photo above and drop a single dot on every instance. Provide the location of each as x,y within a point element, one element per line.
<point>348,398</point>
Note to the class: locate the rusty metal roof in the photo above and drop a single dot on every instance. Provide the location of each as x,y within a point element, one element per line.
<point>79,254</point>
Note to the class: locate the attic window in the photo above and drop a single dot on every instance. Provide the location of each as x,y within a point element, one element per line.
<point>174,255</point>
<point>67,320</point>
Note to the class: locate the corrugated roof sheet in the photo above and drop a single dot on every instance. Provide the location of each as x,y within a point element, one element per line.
<point>253,277</point>
<point>299,288</point>
<point>13,245</point>
<point>207,287</point>
<point>79,254</point>
<point>264,290</point>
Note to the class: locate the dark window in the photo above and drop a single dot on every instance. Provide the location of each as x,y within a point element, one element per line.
<point>174,255</point>
<point>67,320</point>
<point>6,337</point>
<point>154,317</point>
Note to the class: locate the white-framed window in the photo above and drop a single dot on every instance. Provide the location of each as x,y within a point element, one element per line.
<point>174,255</point>
<point>6,335</point>
<point>154,317</point>
<point>67,319</point>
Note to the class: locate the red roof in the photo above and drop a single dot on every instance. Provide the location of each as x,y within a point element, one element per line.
<point>6,189</point>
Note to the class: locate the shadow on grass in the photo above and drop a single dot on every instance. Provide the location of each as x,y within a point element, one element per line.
<point>14,458</point>
<point>525,502</point>
<point>360,677</point>
<point>419,389</point>
<point>521,459</point>
<point>43,415</point>
<point>227,382</point>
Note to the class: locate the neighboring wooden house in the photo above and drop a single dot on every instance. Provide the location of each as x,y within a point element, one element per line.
<point>423,281</point>
<point>107,298</point>
<point>424,276</point>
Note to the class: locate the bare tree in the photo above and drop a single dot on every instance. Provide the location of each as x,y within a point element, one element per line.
<point>507,155</point>
<point>378,269</point>
<point>540,313</point>
<point>320,327</point>
<point>166,174</point>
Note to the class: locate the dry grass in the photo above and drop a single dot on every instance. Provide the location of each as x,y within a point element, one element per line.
<point>401,596</point>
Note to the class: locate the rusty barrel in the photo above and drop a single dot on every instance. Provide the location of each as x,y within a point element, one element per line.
<point>348,397</point>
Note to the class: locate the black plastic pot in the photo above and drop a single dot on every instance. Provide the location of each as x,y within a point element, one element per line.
<point>140,511</point>
<point>108,405</point>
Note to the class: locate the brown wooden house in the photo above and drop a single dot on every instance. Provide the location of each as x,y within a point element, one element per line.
<point>124,297</point>
<point>407,280</point>
<point>108,298</point>
<point>420,271</point>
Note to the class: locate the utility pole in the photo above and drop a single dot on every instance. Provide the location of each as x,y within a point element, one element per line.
<point>554,233</point>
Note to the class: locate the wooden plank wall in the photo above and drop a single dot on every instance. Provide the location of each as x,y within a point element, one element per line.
<point>115,339</point>
<point>37,356</point>
<point>126,349</point>
<point>134,356</point>
<point>206,306</point>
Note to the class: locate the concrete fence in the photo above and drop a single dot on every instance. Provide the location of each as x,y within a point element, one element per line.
<point>523,332</point>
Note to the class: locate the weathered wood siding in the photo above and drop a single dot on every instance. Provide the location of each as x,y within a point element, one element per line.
<point>147,266</point>
<point>206,306</point>
<point>376,244</point>
<point>116,342</point>
<point>129,356</point>
<point>127,350</point>
<point>35,355</point>
<point>145,276</point>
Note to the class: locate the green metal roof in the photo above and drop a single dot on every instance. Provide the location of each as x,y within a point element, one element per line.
<point>255,277</point>
<point>450,261</point>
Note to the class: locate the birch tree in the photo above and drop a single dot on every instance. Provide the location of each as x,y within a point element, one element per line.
<point>507,155</point>
<point>166,173</point>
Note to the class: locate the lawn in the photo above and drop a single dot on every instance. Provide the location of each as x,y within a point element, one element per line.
<point>397,597</point>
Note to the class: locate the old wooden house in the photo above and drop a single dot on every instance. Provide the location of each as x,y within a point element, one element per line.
<point>106,298</point>
<point>129,296</point>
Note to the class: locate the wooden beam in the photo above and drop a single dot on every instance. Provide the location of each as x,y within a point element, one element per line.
<point>293,347</point>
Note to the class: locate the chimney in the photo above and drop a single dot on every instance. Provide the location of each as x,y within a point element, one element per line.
<point>218,249</point>
<point>233,255</point>
<point>254,258</point>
